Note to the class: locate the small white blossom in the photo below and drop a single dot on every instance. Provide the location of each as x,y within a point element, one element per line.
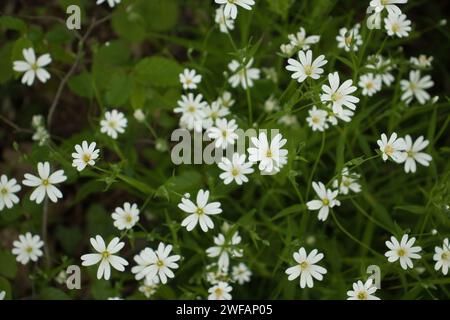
<point>413,154</point>
<point>363,291</point>
<point>243,75</point>
<point>392,148</point>
<point>126,217</point>
<point>317,119</point>
<point>236,169</point>
<point>349,182</point>
<point>224,248</point>
<point>339,94</point>
<point>442,257</point>
<point>223,132</point>
<point>421,61</point>
<point>305,67</point>
<point>192,111</point>
<point>327,200</point>
<point>199,212</point>
<point>27,248</point>
<point>45,183</point>
<point>403,251</point>
<point>271,156</point>
<point>415,87</point>
<point>114,122</point>
<point>301,41</point>
<point>111,3</point>
<point>8,190</point>
<point>225,22</point>
<point>155,264</point>
<point>306,268</point>
<point>190,79</point>
<point>370,84</point>
<point>241,273</point>
<point>106,256</point>
<point>85,155</point>
<point>349,39</point>
<point>220,291</point>
<point>397,25</point>
<point>32,67</point>
<point>231,10</point>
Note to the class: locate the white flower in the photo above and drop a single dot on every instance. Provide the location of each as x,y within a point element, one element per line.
<point>226,100</point>
<point>301,41</point>
<point>199,212</point>
<point>413,153</point>
<point>223,133</point>
<point>392,148</point>
<point>243,76</point>
<point>317,119</point>
<point>32,67</point>
<point>214,112</point>
<point>342,114</point>
<point>327,200</point>
<point>190,79</point>
<point>86,154</point>
<point>192,110</point>
<point>287,49</point>
<point>397,25</point>
<point>37,121</point>
<point>113,123</point>
<point>442,257</point>
<point>349,182</point>
<point>27,248</point>
<point>403,251</point>
<point>271,157</point>
<point>126,217</point>
<point>363,291</point>
<point>225,22</point>
<point>41,135</point>
<point>111,3</point>
<point>389,5</point>
<point>220,291</point>
<point>236,169</point>
<point>139,115</point>
<point>349,39</point>
<point>8,188</point>
<point>271,104</point>
<point>149,287</point>
<point>2,295</point>
<point>155,264</point>
<point>106,255</point>
<point>306,268</point>
<point>241,273</point>
<point>45,183</point>
<point>415,87</point>
<point>304,67</point>
<point>370,84</point>
<point>231,10</point>
<point>382,67</point>
<point>339,95</point>
<point>289,120</point>
<point>421,61</point>
<point>224,248</point>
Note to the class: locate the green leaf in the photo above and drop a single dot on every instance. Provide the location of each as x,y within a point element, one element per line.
<point>412,209</point>
<point>118,89</point>
<point>8,265</point>
<point>81,85</point>
<point>11,23</point>
<point>69,237</point>
<point>6,70</point>
<point>99,222</point>
<point>158,72</point>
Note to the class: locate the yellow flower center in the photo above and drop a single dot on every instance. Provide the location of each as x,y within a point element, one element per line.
<point>219,291</point>
<point>348,40</point>
<point>410,153</point>
<point>303,265</point>
<point>160,263</point>
<point>214,115</point>
<point>34,67</point>
<point>308,70</point>
<point>412,86</point>
<point>45,182</point>
<point>269,153</point>
<point>325,201</point>
<point>389,150</point>
<point>445,255</point>
<point>362,295</point>
<point>395,27</point>
<point>200,211</point>
<point>128,218</point>
<point>191,109</point>
<point>346,183</point>
<point>401,252</point>
<point>369,85</point>
<point>29,249</point>
<point>234,172</point>
<point>188,81</point>
<point>336,96</point>
<point>105,254</point>
<point>315,119</point>
<point>384,2</point>
<point>4,191</point>
<point>224,133</point>
<point>86,157</point>
<point>112,124</point>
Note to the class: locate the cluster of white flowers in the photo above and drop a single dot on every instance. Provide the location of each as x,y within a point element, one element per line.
<point>404,150</point>
<point>298,41</point>
<point>41,134</point>
<point>395,22</point>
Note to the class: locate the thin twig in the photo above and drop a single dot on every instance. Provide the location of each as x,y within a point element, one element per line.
<point>14,126</point>
<point>66,78</point>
